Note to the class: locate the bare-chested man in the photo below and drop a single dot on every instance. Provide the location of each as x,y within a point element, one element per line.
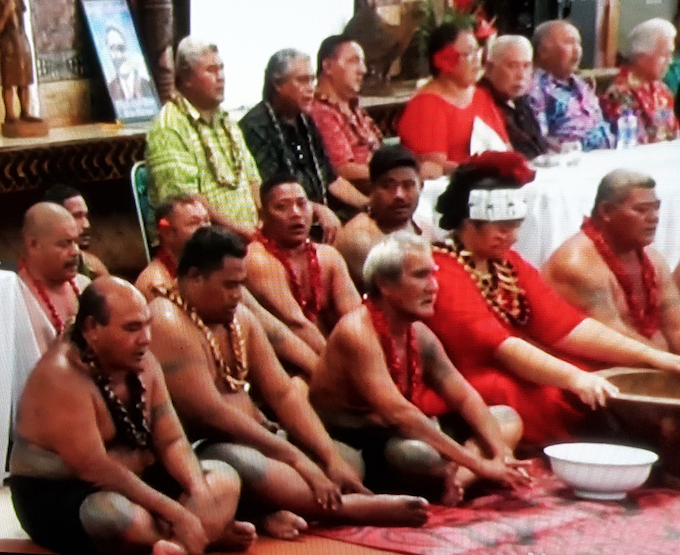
<point>210,346</point>
<point>49,269</point>
<point>395,189</point>
<point>384,374</point>
<point>305,285</point>
<point>70,198</point>
<point>177,218</point>
<point>610,271</point>
<point>100,463</point>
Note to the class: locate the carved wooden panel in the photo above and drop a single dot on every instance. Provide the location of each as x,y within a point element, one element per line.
<point>74,163</point>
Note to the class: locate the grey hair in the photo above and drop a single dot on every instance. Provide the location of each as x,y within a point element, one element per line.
<point>189,51</point>
<point>616,185</point>
<point>502,43</point>
<point>643,38</point>
<point>278,68</point>
<point>386,259</point>
<point>543,31</point>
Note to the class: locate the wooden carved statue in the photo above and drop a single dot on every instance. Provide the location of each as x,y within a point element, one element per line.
<point>16,72</point>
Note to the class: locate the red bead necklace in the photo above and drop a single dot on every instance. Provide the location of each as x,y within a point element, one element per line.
<point>312,304</point>
<point>55,318</point>
<point>407,375</point>
<point>646,316</point>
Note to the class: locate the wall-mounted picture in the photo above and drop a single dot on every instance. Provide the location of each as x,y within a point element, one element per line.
<point>127,76</point>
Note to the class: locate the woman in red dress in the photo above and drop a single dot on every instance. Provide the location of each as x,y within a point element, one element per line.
<point>502,325</point>
<point>437,124</point>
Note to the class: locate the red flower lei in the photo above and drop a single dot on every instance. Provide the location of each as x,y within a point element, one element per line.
<point>407,377</point>
<point>646,319</point>
<point>311,305</point>
<point>56,320</point>
<point>163,256</point>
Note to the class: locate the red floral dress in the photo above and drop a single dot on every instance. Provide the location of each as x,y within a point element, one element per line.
<point>651,101</point>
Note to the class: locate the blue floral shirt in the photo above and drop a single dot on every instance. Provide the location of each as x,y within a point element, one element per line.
<point>569,110</point>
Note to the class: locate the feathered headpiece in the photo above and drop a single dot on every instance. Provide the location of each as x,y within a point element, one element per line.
<point>486,187</point>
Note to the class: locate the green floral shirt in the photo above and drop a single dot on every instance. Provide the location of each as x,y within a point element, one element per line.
<point>178,163</point>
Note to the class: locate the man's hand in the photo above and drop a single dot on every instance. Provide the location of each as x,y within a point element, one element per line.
<point>345,476</point>
<point>188,531</point>
<point>329,222</point>
<point>326,493</point>
<point>592,389</point>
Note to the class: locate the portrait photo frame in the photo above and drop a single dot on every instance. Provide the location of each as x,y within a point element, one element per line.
<point>126,73</point>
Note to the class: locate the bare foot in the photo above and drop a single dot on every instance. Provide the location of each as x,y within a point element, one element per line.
<point>385,510</point>
<point>453,490</point>
<point>166,547</point>
<point>284,525</point>
<point>238,536</point>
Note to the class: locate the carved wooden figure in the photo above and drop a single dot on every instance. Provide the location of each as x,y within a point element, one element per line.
<point>16,71</point>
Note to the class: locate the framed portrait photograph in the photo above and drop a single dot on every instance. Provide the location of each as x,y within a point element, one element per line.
<point>127,76</point>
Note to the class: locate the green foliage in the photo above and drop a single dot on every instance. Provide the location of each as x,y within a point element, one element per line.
<point>462,20</point>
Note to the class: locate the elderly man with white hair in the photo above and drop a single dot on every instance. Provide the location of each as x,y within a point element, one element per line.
<point>638,86</point>
<point>507,77</point>
<point>564,104</point>
<point>194,148</point>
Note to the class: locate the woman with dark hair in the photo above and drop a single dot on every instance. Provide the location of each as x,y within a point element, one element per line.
<point>438,122</point>
<point>500,322</point>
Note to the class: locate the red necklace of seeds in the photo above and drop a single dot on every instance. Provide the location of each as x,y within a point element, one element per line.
<point>55,318</point>
<point>407,375</point>
<point>645,318</point>
<point>312,305</point>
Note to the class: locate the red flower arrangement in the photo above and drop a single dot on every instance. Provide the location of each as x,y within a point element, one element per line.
<point>508,166</point>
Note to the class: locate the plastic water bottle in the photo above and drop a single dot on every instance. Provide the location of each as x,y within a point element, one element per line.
<point>626,130</point>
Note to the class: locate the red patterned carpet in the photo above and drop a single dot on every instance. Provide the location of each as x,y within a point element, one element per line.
<point>544,520</point>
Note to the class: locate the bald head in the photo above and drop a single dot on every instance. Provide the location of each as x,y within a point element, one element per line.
<point>50,236</point>
<point>557,48</point>
<point>113,320</point>
<point>41,218</point>
<point>116,290</point>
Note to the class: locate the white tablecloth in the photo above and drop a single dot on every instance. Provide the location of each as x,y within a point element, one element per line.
<point>560,197</point>
<point>18,353</point>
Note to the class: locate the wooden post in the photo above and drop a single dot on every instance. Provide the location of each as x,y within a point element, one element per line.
<point>157,28</point>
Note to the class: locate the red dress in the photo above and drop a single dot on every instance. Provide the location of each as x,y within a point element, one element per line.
<point>471,333</point>
<point>432,124</point>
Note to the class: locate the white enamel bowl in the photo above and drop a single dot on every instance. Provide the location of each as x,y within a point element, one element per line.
<point>600,470</point>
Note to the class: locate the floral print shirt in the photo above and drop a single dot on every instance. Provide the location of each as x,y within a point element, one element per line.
<point>651,101</point>
<point>568,110</point>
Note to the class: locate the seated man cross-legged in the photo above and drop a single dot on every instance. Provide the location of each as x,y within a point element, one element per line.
<point>177,218</point>
<point>100,463</point>
<point>502,325</point>
<point>304,284</point>
<point>211,347</point>
<point>384,373</point>
<point>610,270</point>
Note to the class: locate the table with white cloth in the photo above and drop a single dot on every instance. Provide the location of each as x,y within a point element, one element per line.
<point>560,197</point>
<point>18,353</point>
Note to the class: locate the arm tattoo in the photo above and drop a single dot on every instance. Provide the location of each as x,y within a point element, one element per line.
<point>160,411</point>
<point>172,366</point>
